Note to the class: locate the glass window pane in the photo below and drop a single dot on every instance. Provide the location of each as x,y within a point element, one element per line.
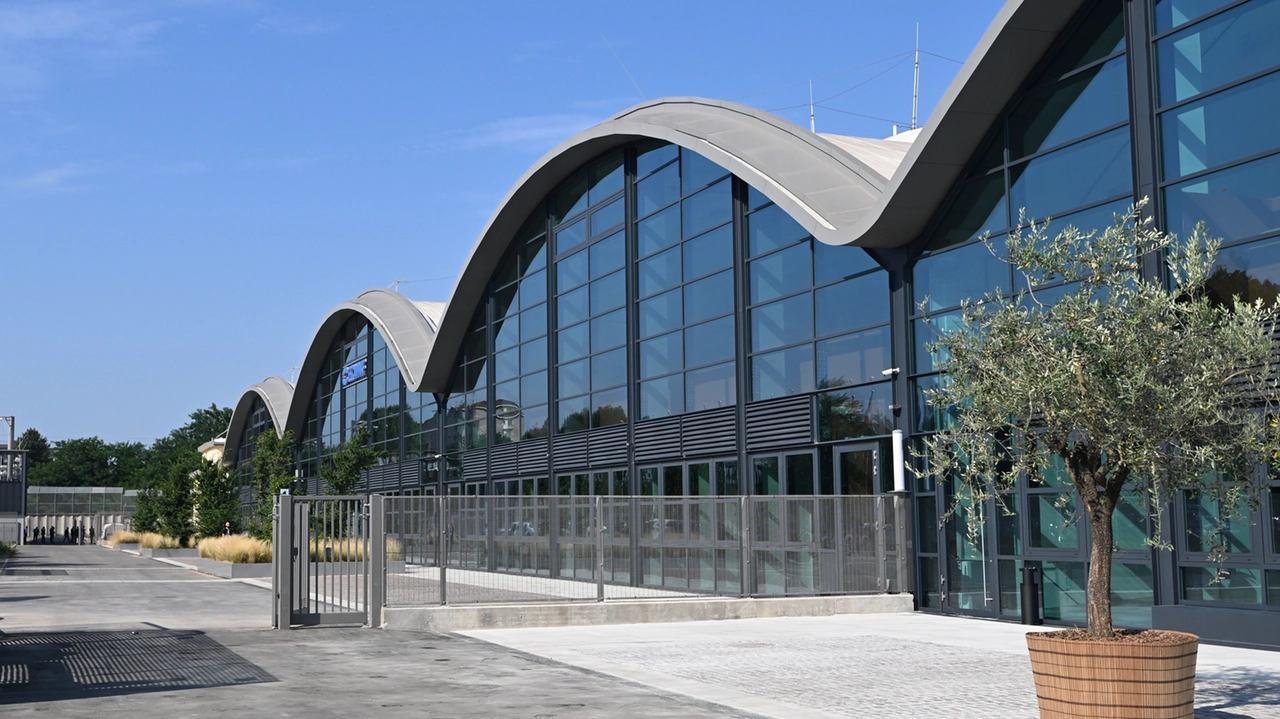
<point>713,206</point>
<point>781,273</point>
<point>708,253</point>
<point>533,355</point>
<point>533,388</point>
<point>534,422</point>
<point>1250,272</point>
<point>944,280</point>
<point>660,272</point>
<point>609,408</point>
<point>853,359</point>
<point>1225,47</point>
<point>1172,13</point>
<point>662,355</point>
<point>771,228</point>
<point>756,199</point>
<point>1081,174</point>
<point>572,307</point>
<point>768,481</point>
<point>656,192</point>
<point>508,393</point>
<point>653,154</point>
<point>1100,34</point>
<point>1211,132</point>
<point>1083,103</point>
<point>782,373</point>
<point>658,232</point>
<point>926,334</point>
<point>979,208</point>
<point>1052,522</point>
<point>533,289</point>
<point>570,237</point>
<point>573,342</point>
<point>1275,524</point>
<point>608,292</point>
<point>534,255</point>
<point>697,171</point>
<point>853,303</point>
<point>574,414</point>
<point>727,478</point>
<point>1234,586</point>
<point>608,217</point>
<point>609,369</point>
<point>606,177</point>
<point>571,199</point>
<point>709,297</point>
<point>1239,202</point>
<point>799,475</point>
<point>1129,522</point>
<point>661,314</point>
<point>608,255</point>
<point>782,323</point>
<point>855,412</point>
<point>574,378</point>
<point>506,365</point>
<point>832,263</point>
<point>662,397</point>
<point>609,331</point>
<point>533,323</point>
<point>1273,587</point>
<point>506,332</point>
<point>709,342</point>
<point>1211,527</point>
<point>1064,586</point>
<point>711,388</point>
<point>571,272</point>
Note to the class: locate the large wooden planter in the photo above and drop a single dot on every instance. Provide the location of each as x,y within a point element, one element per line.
<point>1078,679</point>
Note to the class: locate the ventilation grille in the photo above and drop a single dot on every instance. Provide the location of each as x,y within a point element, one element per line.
<point>503,460</point>
<point>607,446</point>
<point>707,433</point>
<point>570,451</point>
<point>475,464</point>
<point>779,423</point>
<point>658,439</point>
<point>532,456</point>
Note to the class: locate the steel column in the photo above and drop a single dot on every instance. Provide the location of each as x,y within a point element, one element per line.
<point>377,596</point>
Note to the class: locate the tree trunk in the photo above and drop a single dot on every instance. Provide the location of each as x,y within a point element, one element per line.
<point>1099,591</point>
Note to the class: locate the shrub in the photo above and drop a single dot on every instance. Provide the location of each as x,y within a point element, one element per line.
<point>8,549</point>
<point>151,540</point>
<point>237,549</point>
<point>123,536</point>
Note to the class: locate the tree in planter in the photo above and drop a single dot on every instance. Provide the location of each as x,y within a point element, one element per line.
<point>342,474</point>
<point>1130,386</point>
<point>146,514</point>
<point>273,462</point>
<point>175,501</point>
<point>217,498</point>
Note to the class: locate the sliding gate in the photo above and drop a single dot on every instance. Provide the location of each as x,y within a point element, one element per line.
<point>324,571</point>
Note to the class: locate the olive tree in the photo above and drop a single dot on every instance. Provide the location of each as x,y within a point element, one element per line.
<point>1127,383</point>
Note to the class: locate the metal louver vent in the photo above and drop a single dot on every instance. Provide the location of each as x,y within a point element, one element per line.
<point>503,460</point>
<point>607,446</point>
<point>475,464</point>
<point>658,439</point>
<point>571,451</point>
<point>532,456</point>
<point>712,432</point>
<point>779,423</point>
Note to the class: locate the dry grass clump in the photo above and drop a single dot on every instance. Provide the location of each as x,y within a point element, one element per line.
<point>151,540</point>
<point>348,550</point>
<point>124,536</point>
<point>237,549</point>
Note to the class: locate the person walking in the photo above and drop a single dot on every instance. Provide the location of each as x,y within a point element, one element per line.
<point>66,535</point>
<point>226,529</point>
<point>91,535</point>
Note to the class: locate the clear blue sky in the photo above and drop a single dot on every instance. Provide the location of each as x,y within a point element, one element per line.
<point>187,186</point>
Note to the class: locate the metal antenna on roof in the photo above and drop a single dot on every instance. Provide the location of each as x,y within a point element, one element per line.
<point>395,285</point>
<point>811,125</point>
<point>915,92</point>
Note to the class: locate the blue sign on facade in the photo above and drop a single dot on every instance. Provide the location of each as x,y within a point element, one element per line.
<point>354,372</point>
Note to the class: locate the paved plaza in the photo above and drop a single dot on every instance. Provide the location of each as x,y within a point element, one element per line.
<point>87,631</point>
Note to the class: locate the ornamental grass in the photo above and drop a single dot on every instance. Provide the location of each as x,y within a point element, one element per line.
<point>333,549</point>
<point>123,536</point>
<point>152,540</point>
<point>236,548</point>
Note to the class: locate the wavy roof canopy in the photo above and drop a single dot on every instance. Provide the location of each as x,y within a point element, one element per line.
<point>276,393</point>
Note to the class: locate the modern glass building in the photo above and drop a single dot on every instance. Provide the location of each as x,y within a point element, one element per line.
<point>697,298</point>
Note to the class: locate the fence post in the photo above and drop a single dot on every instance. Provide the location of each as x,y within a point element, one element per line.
<point>282,561</point>
<point>599,527</point>
<point>378,568</point>
<point>746,581</point>
<point>442,552</point>
<point>902,522</point>
<point>882,559</point>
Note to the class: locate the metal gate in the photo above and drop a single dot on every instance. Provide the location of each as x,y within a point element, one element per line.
<point>325,568</point>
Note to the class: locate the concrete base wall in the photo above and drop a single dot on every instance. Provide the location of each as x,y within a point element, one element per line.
<point>227,570</point>
<point>169,553</point>
<point>464,618</point>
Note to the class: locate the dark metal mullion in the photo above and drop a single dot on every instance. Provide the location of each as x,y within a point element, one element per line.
<point>1082,69</point>
<point>632,304</point>
<point>1156,37</point>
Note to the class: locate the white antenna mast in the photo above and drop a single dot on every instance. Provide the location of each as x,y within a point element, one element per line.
<point>811,125</point>
<point>915,92</point>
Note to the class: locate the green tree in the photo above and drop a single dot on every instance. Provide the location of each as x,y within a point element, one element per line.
<point>273,461</point>
<point>146,515</point>
<point>217,499</point>
<point>177,446</point>
<point>1126,385</point>
<point>176,500</point>
<point>342,474</point>
<point>35,444</point>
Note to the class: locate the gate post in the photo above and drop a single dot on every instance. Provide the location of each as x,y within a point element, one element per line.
<point>902,523</point>
<point>882,559</point>
<point>282,562</point>
<point>378,568</point>
<point>599,527</point>
<point>442,552</point>
<point>747,579</point>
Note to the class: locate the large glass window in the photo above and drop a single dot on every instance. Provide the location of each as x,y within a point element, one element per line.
<point>1218,50</point>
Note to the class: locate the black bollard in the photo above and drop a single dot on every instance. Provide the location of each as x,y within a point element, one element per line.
<point>1031,595</point>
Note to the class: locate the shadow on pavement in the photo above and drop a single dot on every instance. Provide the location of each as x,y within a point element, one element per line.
<point>1233,693</point>
<point>79,665</point>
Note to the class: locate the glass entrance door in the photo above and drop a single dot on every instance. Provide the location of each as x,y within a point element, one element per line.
<point>970,584</point>
<point>857,469</point>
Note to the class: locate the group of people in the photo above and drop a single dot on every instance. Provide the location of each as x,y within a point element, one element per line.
<point>74,534</point>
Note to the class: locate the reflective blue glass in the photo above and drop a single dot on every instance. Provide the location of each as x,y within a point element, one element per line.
<point>853,359</point>
<point>507,392</point>
<point>571,199</point>
<point>711,388</point>
<point>756,199</point>
<point>967,273</point>
<point>782,373</point>
<point>1250,272</point>
<point>608,292</point>
<point>507,332</point>
<point>708,297</point>
<point>782,323</point>
<point>506,365</point>
<point>832,263</point>
<point>533,355</point>
<point>653,154</point>
<point>575,378</point>
<point>709,342</point>
<point>1223,48</point>
<point>771,228</point>
<point>1083,103</point>
<point>1100,33</point>
<point>855,303</point>
<point>572,236</point>
<point>609,369</point>
<point>608,255</point>
<point>979,208</point>
<point>572,307</point>
<point>1221,128</point>
<point>574,414</point>
<point>534,255</point>
<point>926,334</point>
<point>781,273</point>
<point>573,342</point>
<point>658,232</point>
<point>662,397</point>
<point>656,192</point>
<point>533,323</point>
<point>708,253</point>
<point>1172,13</point>
<point>609,331</point>
<point>709,208</point>
<point>571,271</point>
<point>697,171</point>
<point>533,388</point>
<point>1081,174</point>
<point>661,314</point>
<point>662,355</point>
<point>606,177</point>
<point>608,217</point>
<point>1235,203</point>
<point>609,408</point>
<point>855,412</point>
<point>533,289</point>
<point>1239,586</point>
<point>659,272</point>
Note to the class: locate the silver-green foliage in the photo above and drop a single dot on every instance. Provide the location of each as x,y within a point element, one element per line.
<point>1127,383</point>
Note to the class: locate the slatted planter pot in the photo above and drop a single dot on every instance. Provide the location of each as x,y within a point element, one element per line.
<point>1082,679</point>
